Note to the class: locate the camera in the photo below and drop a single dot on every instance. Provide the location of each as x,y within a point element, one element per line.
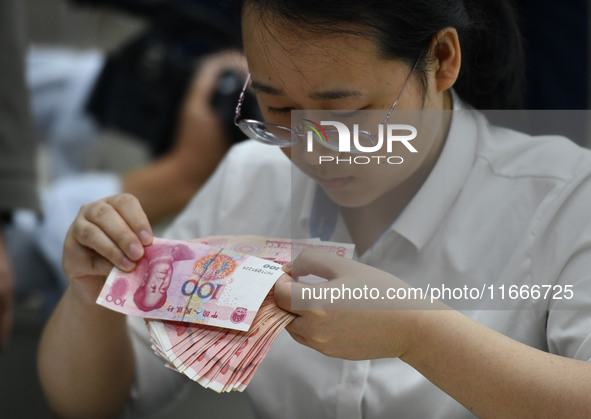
<point>142,85</point>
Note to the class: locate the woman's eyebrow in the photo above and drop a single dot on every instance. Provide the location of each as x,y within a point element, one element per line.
<point>265,88</point>
<point>335,94</point>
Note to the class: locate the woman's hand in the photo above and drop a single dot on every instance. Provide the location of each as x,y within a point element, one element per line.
<point>111,231</point>
<point>489,373</point>
<point>362,324</point>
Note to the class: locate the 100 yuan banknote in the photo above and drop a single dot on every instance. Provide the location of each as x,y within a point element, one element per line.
<point>192,282</point>
<point>279,250</point>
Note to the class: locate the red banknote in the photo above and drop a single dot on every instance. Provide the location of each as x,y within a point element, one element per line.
<point>218,317</point>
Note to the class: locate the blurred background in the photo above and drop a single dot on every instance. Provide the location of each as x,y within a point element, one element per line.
<point>114,104</point>
<point>110,85</point>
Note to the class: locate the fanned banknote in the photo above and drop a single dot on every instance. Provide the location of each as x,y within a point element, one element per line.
<point>192,282</point>
<point>275,249</point>
<point>224,359</point>
<point>221,358</point>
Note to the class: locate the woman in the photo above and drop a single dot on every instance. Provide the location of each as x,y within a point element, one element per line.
<point>474,208</point>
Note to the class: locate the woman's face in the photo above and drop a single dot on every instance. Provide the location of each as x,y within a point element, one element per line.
<point>296,70</point>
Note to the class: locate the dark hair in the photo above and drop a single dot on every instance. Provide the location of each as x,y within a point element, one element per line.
<point>492,70</point>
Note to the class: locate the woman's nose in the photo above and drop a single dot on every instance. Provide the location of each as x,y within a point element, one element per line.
<point>311,153</point>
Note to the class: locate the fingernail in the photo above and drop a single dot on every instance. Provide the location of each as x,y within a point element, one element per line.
<point>135,251</point>
<point>286,267</point>
<point>145,237</point>
<point>128,264</point>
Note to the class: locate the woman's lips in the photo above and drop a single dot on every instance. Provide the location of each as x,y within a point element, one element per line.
<point>334,183</point>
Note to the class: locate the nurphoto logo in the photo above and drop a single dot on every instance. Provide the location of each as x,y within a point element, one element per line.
<point>337,136</point>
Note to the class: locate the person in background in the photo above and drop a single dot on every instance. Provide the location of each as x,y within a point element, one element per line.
<point>199,146</point>
<point>59,81</point>
<point>18,188</point>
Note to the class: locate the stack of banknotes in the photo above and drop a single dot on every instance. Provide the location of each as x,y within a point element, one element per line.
<point>208,303</point>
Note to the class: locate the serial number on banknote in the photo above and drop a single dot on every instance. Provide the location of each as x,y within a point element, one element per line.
<point>265,270</point>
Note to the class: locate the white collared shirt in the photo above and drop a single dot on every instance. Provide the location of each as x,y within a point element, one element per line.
<point>498,208</point>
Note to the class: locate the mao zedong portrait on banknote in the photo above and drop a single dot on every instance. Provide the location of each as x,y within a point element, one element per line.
<point>160,259</point>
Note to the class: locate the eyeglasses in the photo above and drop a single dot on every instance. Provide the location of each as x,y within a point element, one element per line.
<point>282,136</point>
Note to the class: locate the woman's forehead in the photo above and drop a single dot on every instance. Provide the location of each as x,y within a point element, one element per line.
<point>285,45</point>
<point>318,66</point>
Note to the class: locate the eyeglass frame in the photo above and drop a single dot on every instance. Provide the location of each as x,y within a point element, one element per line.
<point>293,131</point>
